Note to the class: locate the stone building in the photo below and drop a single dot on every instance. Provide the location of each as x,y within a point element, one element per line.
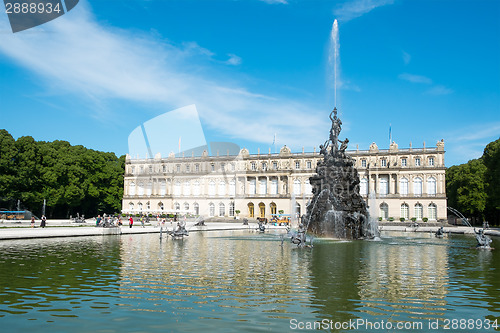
<point>397,183</point>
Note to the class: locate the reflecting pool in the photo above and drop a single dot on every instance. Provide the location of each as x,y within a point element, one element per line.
<point>241,280</point>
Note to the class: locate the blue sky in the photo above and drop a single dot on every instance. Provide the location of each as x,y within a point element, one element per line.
<point>429,69</point>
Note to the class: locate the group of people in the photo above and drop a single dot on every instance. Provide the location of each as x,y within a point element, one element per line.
<point>43,221</point>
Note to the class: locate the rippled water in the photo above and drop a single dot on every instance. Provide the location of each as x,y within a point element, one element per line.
<point>241,280</point>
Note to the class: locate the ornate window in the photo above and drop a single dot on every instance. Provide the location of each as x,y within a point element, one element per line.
<point>431,186</point>
<point>231,209</point>
<point>417,186</point>
<point>274,186</point>
<point>263,186</point>
<point>149,189</point>
<point>431,161</point>
<point>405,211</point>
<point>363,186</point>
<point>296,186</point>
<point>196,188</point>
<point>404,162</point>
<point>232,188</point>
<point>186,207</point>
<point>297,165</point>
<point>252,187</point>
<point>178,167</point>
<point>177,206</point>
<point>383,185</point>
<point>308,164</point>
<point>132,188</point>
<point>432,211</point>
<point>211,209</point>
<point>197,167</point>
<point>308,189</point>
<point>383,162</point>
<point>211,188</point>
<point>363,163</point>
<point>177,188</point>
<point>403,186</point>
<point>163,187</point>
<point>275,165</point>
<point>141,188</point>
<point>131,206</point>
<point>196,207</point>
<point>417,161</point>
<point>222,209</point>
<point>419,210</point>
<point>384,211</point>
<point>254,166</point>
<point>251,210</point>
<point>222,187</point>
<point>187,188</point>
<point>139,205</point>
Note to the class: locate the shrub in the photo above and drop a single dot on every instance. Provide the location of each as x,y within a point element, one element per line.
<point>413,219</point>
<point>425,219</point>
<point>402,219</point>
<point>391,219</point>
<point>380,218</point>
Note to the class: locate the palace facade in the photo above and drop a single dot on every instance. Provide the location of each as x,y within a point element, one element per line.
<point>396,183</point>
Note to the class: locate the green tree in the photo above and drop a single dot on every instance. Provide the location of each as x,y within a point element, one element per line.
<point>491,159</point>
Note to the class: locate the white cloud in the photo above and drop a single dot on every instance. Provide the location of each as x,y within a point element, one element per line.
<point>284,2</point>
<point>406,58</point>
<point>353,9</point>
<point>415,78</point>
<point>75,54</point>
<point>439,90</point>
<point>233,59</point>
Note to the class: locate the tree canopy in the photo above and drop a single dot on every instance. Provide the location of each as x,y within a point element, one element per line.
<point>474,187</point>
<point>72,179</point>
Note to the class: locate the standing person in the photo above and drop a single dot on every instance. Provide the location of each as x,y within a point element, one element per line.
<point>142,221</point>
<point>43,222</point>
<point>130,222</point>
<point>98,220</point>
<point>32,221</point>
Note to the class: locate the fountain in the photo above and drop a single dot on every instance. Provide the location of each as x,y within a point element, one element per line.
<point>337,209</point>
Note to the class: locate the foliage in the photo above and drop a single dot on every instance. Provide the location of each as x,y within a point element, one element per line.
<point>72,179</point>
<point>425,219</point>
<point>474,187</point>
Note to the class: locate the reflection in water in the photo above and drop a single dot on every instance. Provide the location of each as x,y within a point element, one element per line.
<point>405,278</point>
<point>241,280</point>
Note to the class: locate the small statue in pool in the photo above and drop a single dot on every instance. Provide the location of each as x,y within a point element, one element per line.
<point>261,227</point>
<point>300,237</point>
<point>440,232</point>
<point>180,231</point>
<point>483,241</point>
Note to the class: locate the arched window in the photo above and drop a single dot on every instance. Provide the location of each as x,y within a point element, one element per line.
<point>231,209</point>
<point>363,186</point>
<point>149,189</point>
<point>139,205</point>
<point>403,186</point>
<point>232,188</point>
<point>252,186</point>
<point>177,188</point>
<point>211,209</point>
<point>432,211</point>
<point>419,210</point>
<point>211,188</point>
<point>251,210</point>
<point>177,206</point>
<point>132,188</point>
<point>141,189</point>
<point>273,208</point>
<point>431,186</point>
<point>405,211</point>
<point>186,207</point>
<point>417,186</point>
<point>161,206</point>
<point>262,210</point>
<point>296,186</point>
<point>131,206</point>
<point>222,188</point>
<point>163,187</point>
<point>263,186</point>
<point>384,211</point>
<point>196,208</point>
<point>274,186</point>
<point>196,188</point>
<point>222,209</point>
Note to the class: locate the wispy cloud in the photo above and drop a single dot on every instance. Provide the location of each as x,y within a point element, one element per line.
<point>406,57</point>
<point>284,2</point>
<point>77,55</point>
<point>439,90</point>
<point>415,78</point>
<point>353,9</point>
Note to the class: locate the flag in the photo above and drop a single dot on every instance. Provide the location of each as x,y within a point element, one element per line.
<point>274,139</point>
<point>390,135</point>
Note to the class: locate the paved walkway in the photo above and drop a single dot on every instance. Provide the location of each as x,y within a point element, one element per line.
<point>75,231</point>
